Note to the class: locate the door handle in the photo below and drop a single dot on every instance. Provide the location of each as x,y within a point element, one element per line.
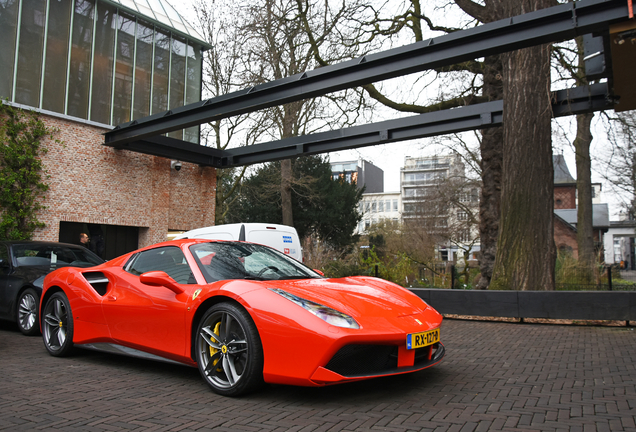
<point>111,298</point>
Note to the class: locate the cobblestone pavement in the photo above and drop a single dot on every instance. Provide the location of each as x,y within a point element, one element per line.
<point>496,376</point>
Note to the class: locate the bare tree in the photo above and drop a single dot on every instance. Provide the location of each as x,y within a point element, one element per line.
<point>463,84</point>
<point>501,76</point>
<point>569,59</point>
<point>620,161</point>
<point>223,68</point>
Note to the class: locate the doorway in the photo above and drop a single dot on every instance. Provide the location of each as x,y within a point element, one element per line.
<point>107,241</point>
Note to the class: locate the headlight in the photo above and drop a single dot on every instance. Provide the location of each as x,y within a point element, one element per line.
<point>327,314</point>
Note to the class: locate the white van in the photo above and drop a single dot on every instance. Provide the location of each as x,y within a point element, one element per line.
<point>281,237</point>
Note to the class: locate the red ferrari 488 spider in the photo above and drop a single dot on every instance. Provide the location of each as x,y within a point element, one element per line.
<point>243,313</point>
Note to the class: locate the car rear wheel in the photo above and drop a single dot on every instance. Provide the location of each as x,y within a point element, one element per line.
<point>27,312</point>
<point>229,351</point>
<point>57,327</point>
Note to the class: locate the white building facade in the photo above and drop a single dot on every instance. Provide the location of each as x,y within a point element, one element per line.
<point>378,207</point>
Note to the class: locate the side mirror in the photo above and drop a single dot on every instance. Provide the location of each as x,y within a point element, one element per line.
<point>160,278</point>
<point>319,272</point>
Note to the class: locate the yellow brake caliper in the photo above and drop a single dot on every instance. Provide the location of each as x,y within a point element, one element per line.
<point>213,351</point>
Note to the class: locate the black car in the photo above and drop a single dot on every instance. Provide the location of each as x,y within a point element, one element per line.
<point>23,265</point>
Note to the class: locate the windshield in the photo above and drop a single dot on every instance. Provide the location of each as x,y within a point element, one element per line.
<point>233,260</point>
<point>54,256</point>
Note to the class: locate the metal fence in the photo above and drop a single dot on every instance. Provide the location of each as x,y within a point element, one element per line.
<point>602,278</point>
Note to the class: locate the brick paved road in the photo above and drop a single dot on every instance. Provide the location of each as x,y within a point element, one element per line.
<point>496,376</point>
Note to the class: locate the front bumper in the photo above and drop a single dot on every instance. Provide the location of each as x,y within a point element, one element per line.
<point>357,362</point>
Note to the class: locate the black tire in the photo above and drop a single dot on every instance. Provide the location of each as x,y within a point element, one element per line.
<point>228,350</point>
<point>57,325</point>
<point>27,308</point>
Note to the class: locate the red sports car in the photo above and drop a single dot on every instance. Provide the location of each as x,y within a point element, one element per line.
<point>243,313</point>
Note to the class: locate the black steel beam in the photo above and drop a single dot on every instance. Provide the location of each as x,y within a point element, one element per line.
<point>583,99</point>
<point>423,125</point>
<point>177,149</point>
<point>553,24</point>
<point>565,102</point>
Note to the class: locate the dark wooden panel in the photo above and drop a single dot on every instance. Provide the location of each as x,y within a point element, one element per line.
<point>575,305</point>
<point>467,302</point>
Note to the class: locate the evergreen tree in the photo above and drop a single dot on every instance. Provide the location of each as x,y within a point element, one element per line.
<point>322,207</point>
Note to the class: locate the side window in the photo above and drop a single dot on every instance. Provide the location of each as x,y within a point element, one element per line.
<point>167,259</point>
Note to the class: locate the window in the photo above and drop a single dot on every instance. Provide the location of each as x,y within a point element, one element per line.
<point>234,260</point>
<point>167,259</point>
<point>373,207</point>
<point>57,56</point>
<point>380,206</point>
<point>462,216</point>
<point>395,205</point>
<point>4,259</point>
<point>143,69</point>
<point>80,64</point>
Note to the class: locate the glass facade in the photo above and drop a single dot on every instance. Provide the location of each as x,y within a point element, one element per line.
<point>107,61</point>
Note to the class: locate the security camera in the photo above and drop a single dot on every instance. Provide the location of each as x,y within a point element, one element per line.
<point>176,165</point>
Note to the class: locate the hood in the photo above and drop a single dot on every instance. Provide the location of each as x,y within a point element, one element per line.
<point>357,296</point>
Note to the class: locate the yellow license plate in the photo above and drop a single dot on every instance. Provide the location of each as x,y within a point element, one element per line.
<point>419,340</point>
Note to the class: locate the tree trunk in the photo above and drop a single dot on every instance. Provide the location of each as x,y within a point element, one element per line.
<point>584,214</point>
<point>285,191</point>
<point>584,217</point>
<point>491,148</point>
<point>525,248</point>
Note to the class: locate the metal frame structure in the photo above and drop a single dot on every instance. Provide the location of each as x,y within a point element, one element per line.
<point>553,24</point>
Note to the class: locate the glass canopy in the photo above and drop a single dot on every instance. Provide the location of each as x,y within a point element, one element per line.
<point>106,61</point>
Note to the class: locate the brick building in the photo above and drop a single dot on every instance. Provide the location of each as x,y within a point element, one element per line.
<point>86,65</point>
<point>565,210</point>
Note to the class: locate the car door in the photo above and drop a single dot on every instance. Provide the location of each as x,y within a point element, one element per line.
<point>147,317</point>
<point>6,299</point>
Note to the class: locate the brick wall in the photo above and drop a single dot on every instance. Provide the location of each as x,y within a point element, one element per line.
<point>564,197</point>
<point>565,237</point>
<point>93,183</point>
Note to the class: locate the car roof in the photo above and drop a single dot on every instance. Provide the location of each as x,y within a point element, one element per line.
<point>37,242</point>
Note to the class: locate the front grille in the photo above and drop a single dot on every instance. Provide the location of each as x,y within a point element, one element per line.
<point>364,360</point>
<point>354,360</point>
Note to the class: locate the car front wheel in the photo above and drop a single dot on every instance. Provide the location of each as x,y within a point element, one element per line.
<point>27,312</point>
<point>57,327</point>
<point>229,351</point>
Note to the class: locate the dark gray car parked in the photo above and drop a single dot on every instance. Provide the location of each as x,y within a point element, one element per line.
<point>23,265</point>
